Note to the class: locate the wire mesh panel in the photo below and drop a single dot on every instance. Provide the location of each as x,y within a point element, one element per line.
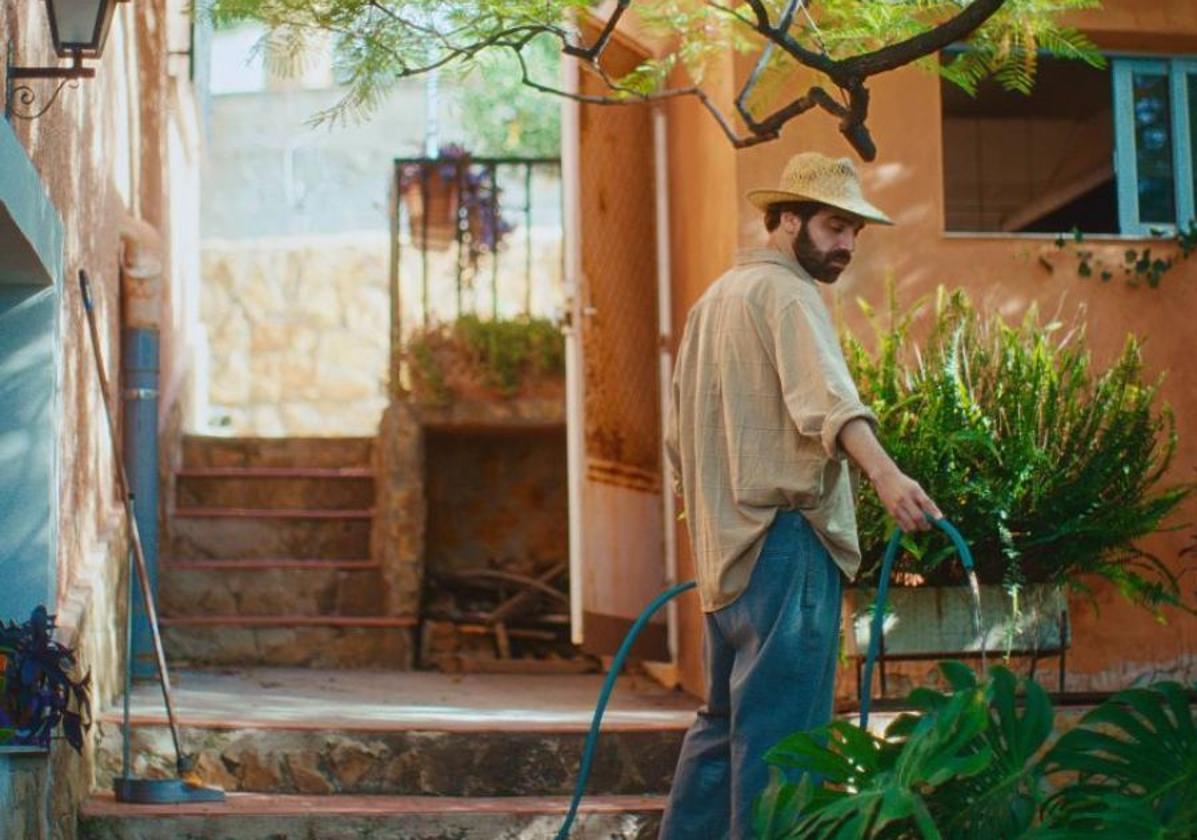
<point>619,329</point>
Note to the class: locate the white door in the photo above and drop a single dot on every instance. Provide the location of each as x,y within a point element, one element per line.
<point>613,367</point>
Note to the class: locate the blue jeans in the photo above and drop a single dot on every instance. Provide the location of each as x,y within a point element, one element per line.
<point>770,660</point>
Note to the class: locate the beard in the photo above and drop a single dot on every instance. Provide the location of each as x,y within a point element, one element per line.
<point>824,266</point>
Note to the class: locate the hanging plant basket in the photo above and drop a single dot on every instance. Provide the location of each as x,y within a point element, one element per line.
<point>453,199</point>
<point>432,194</point>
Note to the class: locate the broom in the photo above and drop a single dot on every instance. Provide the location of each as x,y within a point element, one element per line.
<point>188,787</point>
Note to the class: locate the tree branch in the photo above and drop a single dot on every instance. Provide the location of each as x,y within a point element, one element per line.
<point>967,21</point>
<point>592,52</point>
<point>759,68</point>
<point>386,28</point>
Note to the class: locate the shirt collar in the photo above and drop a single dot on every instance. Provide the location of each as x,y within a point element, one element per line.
<point>753,256</point>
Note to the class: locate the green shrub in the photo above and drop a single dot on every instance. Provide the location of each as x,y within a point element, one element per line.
<point>509,350</point>
<point>474,354</point>
<point>979,762</point>
<point>1050,468</point>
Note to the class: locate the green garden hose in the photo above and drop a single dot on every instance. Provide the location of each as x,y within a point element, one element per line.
<point>887,564</point>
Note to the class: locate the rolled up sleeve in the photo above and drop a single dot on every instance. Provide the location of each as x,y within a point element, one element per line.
<point>819,394</point>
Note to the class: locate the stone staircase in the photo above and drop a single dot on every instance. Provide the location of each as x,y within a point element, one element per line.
<point>293,694</point>
<point>269,558</point>
<point>310,755</point>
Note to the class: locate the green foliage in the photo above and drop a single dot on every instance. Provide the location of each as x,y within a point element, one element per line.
<point>1138,265</point>
<point>1051,468</point>
<point>499,355</point>
<point>377,42</point>
<point>511,349</point>
<point>976,762</point>
<point>41,689</point>
<point>504,117</point>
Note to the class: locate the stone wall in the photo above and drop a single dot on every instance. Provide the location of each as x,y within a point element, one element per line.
<point>298,334</point>
<point>407,467</point>
<point>101,152</point>
<point>299,328</point>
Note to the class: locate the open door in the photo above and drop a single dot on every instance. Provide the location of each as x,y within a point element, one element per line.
<point>617,535</point>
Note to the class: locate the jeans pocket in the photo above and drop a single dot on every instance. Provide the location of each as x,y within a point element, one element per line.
<point>814,559</point>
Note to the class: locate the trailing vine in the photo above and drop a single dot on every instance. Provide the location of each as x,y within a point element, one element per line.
<point>1139,265</point>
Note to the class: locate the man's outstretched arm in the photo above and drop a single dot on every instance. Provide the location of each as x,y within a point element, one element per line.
<point>900,494</point>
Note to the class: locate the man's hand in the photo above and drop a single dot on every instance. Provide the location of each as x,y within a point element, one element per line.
<point>901,494</point>
<point>904,499</point>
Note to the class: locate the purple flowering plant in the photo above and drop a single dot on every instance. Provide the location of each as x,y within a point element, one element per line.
<point>477,196</point>
<point>38,688</point>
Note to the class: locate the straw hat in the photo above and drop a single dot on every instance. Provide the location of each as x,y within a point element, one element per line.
<point>810,176</point>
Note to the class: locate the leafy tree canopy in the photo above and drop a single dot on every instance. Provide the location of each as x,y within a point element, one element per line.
<point>841,42</point>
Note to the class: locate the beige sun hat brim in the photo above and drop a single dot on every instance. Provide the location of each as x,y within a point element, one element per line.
<point>761,199</point>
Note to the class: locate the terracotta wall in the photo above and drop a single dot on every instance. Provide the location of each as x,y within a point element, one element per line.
<point>101,150</point>
<point>1119,642</point>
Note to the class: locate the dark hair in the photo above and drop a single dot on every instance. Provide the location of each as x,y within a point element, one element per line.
<point>802,209</point>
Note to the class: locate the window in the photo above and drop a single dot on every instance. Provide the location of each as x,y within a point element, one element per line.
<point>1102,151</point>
<point>1155,125</point>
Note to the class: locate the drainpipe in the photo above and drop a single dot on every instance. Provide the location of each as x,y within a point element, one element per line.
<point>141,287</point>
<point>665,358</point>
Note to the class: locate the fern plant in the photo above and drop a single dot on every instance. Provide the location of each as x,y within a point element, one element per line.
<point>1052,468</point>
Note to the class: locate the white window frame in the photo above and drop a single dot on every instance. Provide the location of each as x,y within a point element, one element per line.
<point>1125,165</point>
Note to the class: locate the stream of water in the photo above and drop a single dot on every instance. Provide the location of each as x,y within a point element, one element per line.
<point>974,588</point>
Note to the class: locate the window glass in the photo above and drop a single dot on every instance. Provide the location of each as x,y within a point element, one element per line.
<point>1192,92</point>
<point>1153,148</point>
<point>1038,163</point>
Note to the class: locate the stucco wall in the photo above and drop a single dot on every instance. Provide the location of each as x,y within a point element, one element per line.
<point>1118,643</point>
<point>101,152</point>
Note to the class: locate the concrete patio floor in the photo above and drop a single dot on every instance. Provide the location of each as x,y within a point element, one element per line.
<point>387,700</point>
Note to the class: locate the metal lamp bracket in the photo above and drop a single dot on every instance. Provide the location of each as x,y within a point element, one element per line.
<point>26,96</point>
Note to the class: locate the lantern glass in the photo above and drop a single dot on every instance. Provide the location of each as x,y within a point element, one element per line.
<point>80,26</point>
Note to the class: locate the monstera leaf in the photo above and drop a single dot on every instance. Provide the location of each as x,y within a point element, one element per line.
<point>1134,759</point>
<point>1003,801</point>
<point>963,765</point>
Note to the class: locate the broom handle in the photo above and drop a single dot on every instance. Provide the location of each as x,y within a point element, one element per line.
<point>138,555</point>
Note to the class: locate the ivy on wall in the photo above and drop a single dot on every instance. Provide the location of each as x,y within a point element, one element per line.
<point>1139,265</point>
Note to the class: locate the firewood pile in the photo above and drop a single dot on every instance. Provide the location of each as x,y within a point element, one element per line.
<point>496,620</point>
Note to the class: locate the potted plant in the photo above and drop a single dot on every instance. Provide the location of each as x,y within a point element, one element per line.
<point>449,200</point>
<point>980,761</point>
<point>1050,468</point>
<point>39,690</point>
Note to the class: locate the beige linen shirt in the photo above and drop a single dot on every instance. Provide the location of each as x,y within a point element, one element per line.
<point>760,393</point>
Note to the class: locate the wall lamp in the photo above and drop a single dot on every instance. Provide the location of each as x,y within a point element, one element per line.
<point>79,29</point>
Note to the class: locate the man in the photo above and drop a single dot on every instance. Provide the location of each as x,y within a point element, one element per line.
<point>764,416</point>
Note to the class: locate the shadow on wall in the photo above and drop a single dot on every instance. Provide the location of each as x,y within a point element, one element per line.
<point>26,448</point>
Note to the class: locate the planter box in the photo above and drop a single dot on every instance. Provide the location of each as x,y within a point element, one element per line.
<point>937,622</point>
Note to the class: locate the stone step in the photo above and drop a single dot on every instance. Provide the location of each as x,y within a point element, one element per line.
<point>198,538</point>
<point>310,588</point>
<point>250,817</point>
<point>311,757</point>
<point>275,487</point>
<point>206,451</point>
<point>289,641</point>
